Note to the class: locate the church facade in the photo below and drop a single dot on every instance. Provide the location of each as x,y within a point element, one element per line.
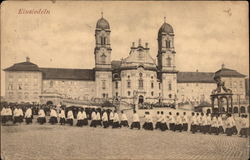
<point>136,79</point>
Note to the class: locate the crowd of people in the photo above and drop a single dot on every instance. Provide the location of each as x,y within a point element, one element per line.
<point>197,122</point>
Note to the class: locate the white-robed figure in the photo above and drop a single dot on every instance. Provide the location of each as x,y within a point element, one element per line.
<point>234,128</point>
<point>8,114</point>
<point>171,121</point>
<point>98,118</point>
<point>124,120</point>
<point>220,124</point>
<point>3,115</point>
<point>18,115</point>
<point>70,117</point>
<point>199,127</point>
<point>163,122</point>
<point>28,116</point>
<point>244,123</point>
<point>194,123</point>
<point>136,121</point>
<point>204,127</point>
<point>80,118</point>
<point>41,119</point>
<point>53,116</point>
<point>178,122</point>
<point>184,122</point>
<point>215,126</point>
<point>62,117</point>
<point>229,125</point>
<point>209,122</point>
<point>116,121</point>
<point>93,119</point>
<point>85,118</point>
<point>148,125</point>
<point>111,118</point>
<point>105,119</point>
<point>158,120</point>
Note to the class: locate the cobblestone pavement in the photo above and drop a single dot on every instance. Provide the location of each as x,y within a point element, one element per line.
<point>66,142</point>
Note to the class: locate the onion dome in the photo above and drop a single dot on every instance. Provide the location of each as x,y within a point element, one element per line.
<point>166,28</point>
<point>102,24</point>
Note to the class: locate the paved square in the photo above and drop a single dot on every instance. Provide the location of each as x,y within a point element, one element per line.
<point>66,142</point>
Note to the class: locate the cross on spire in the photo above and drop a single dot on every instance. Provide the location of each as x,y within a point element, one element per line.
<point>102,14</point>
<point>164,19</point>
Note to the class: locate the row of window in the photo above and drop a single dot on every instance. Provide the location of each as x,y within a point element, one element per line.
<point>20,86</point>
<point>152,94</point>
<point>24,95</point>
<point>141,84</point>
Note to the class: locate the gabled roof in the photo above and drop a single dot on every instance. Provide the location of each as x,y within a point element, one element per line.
<point>68,74</point>
<point>225,72</point>
<point>23,66</point>
<point>195,77</point>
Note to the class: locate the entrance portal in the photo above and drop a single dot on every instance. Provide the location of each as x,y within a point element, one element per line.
<point>141,99</point>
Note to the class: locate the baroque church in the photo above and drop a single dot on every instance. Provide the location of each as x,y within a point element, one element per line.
<point>136,79</point>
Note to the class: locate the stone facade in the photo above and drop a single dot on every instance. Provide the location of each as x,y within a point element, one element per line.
<point>138,78</point>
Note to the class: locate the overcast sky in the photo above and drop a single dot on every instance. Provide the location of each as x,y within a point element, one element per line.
<point>207,34</point>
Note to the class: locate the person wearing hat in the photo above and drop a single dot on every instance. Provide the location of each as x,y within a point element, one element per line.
<point>158,120</point>
<point>111,118</point>
<point>194,123</point>
<point>178,122</point>
<point>28,115</point>
<point>184,122</point>
<point>93,119</point>
<point>62,120</point>
<point>163,122</point>
<point>116,121</point>
<point>136,121</point>
<point>171,121</point>
<point>53,116</point>
<point>85,118</point>
<point>70,117</point>
<point>105,119</point>
<point>80,118</point>
<point>41,116</point>
<point>124,120</point>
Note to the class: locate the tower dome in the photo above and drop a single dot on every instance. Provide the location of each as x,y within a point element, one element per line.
<point>102,24</point>
<point>166,28</point>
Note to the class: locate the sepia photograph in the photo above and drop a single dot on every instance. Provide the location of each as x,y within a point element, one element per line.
<point>124,80</point>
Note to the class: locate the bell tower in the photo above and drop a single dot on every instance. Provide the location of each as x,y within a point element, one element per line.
<point>166,63</point>
<point>103,70</point>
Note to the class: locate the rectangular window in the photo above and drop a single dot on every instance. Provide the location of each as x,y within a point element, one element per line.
<point>129,93</point>
<point>169,86</point>
<point>20,87</point>
<point>241,84</point>
<point>152,84</point>
<point>159,85</point>
<point>140,84</point>
<point>152,93</point>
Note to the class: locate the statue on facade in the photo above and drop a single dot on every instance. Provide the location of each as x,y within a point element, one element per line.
<point>220,86</point>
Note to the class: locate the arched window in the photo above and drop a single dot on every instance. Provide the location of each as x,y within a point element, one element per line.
<point>129,93</point>
<point>103,84</point>
<point>116,84</point>
<point>152,84</point>
<point>129,84</point>
<point>152,93</point>
<point>167,43</point>
<point>169,62</point>
<point>103,40</point>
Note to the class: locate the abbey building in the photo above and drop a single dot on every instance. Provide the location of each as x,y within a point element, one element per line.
<point>136,79</point>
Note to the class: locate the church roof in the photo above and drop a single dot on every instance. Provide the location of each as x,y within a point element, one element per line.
<point>225,72</point>
<point>23,66</point>
<point>195,77</point>
<point>116,64</point>
<point>68,74</point>
<point>102,24</point>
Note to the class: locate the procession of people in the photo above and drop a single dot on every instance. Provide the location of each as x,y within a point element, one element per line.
<point>105,118</point>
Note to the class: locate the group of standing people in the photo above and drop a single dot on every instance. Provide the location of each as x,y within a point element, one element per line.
<point>199,122</point>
